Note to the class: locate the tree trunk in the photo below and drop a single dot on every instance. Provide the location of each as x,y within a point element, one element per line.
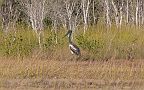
<point>108,21</point>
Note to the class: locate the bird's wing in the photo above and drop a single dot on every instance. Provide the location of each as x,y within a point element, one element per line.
<point>74,49</point>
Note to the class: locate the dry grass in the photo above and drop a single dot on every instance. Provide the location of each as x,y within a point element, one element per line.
<point>98,70</point>
<point>58,73</point>
<point>103,64</point>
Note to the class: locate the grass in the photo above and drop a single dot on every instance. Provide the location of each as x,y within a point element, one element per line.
<point>49,69</point>
<point>111,56</point>
<point>71,74</point>
<point>98,43</point>
<point>125,43</point>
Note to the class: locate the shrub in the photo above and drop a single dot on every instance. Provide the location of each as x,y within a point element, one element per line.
<point>93,46</point>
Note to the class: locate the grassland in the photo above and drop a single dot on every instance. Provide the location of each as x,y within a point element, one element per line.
<point>71,75</point>
<point>111,58</point>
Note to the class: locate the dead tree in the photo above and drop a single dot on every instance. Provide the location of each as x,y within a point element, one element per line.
<point>85,9</point>
<point>36,11</point>
<point>118,12</point>
<point>9,14</point>
<point>107,13</point>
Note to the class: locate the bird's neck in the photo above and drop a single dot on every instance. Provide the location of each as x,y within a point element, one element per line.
<point>70,41</point>
<point>69,37</point>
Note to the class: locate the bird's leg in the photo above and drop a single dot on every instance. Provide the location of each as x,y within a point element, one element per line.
<point>78,57</point>
<point>72,58</point>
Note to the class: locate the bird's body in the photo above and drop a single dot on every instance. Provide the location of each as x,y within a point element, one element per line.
<point>73,47</point>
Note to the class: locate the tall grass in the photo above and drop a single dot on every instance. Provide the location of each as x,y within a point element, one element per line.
<point>123,43</point>
<point>98,43</point>
<point>25,60</point>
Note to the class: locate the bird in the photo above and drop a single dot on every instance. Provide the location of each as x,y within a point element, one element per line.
<point>74,49</point>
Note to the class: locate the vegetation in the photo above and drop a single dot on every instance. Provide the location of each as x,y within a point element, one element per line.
<point>102,29</point>
<point>109,34</point>
<point>97,44</point>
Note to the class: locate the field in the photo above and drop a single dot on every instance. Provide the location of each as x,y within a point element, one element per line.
<point>69,75</point>
<point>35,55</point>
<point>111,60</point>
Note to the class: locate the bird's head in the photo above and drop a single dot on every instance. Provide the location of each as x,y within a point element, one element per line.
<point>68,33</point>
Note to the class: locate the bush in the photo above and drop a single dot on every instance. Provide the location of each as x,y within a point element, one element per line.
<point>97,43</point>
<point>93,46</point>
<point>16,45</point>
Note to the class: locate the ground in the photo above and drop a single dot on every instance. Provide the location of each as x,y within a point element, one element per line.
<point>64,84</point>
<point>46,74</point>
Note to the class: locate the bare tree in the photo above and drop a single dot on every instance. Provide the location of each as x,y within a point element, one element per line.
<point>136,13</point>
<point>127,12</point>
<point>9,13</point>
<point>36,11</point>
<point>142,11</point>
<point>68,14</point>
<point>72,13</point>
<point>85,8</point>
<point>54,8</point>
<point>118,12</point>
<point>107,13</point>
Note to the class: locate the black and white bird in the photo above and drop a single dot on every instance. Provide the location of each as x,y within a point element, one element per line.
<point>73,47</point>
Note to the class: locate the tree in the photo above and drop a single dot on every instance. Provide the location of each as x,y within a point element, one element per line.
<point>36,10</point>
<point>9,14</point>
<point>85,8</point>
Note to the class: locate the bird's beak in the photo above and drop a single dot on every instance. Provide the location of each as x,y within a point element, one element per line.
<point>66,34</point>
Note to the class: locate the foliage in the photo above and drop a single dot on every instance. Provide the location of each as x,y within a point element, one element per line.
<point>93,46</point>
<point>124,44</point>
<point>97,43</point>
